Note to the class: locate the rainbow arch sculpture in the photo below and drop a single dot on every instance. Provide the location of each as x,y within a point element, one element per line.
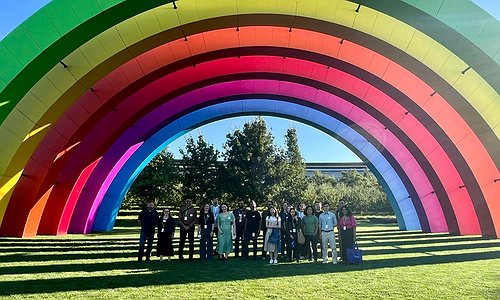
<point>91,90</point>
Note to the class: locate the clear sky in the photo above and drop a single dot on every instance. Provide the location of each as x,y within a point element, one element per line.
<point>315,145</point>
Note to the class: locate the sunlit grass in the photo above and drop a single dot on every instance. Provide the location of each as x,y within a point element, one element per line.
<point>397,265</point>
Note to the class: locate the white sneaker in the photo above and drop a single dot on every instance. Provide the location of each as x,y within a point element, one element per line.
<point>275,261</point>
<point>334,262</point>
<point>271,261</point>
<point>325,261</point>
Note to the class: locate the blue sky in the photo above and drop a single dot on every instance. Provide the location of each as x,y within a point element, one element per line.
<point>315,145</point>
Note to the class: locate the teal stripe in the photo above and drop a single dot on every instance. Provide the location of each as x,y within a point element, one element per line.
<point>437,22</point>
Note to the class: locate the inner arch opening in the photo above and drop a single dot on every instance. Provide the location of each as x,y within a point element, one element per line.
<point>315,145</point>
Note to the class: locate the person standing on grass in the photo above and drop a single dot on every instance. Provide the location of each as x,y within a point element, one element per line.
<point>301,212</point>
<point>166,230</point>
<point>317,212</point>
<point>263,227</point>
<point>337,214</point>
<point>311,229</point>
<point>271,244</point>
<point>327,222</point>
<point>187,220</point>
<point>147,219</point>
<point>251,230</point>
<point>205,232</point>
<point>347,231</point>
<point>239,215</point>
<point>227,231</point>
<point>292,226</point>
<point>285,208</point>
<point>215,208</point>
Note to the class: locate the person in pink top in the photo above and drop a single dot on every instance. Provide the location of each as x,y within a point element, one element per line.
<point>347,231</point>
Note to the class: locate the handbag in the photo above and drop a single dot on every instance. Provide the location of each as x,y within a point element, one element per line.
<point>301,239</point>
<point>354,255</point>
<point>274,237</point>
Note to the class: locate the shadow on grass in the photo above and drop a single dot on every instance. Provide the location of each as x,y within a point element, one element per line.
<point>132,254</point>
<point>107,251</point>
<point>121,265</point>
<point>163,273</point>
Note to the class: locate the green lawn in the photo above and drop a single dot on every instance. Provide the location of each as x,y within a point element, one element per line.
<point>396,265</point>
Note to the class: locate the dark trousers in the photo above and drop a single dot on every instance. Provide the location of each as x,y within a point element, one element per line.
<point>320,243</point>
<point>302,250</point>
<point>182,241</point>
<point>264,231</point>
<point>206,244</point>
<point>312,246</point>
<point>237,239</point>
<point>246,242</point>
<point>149,237</point>
<point>293,250</point>
<point>285,249</point>
<point>347,238</point>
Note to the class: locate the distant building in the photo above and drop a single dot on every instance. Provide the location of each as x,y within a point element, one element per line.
<point>334,169</point>
<point>330,168</point>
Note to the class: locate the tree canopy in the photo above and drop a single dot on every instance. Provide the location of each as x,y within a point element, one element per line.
<point>158,182</point>
<point>253,168</point>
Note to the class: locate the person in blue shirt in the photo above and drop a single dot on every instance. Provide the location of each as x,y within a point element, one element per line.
<point>301,209</point>
<point>251,231</point>
<point>327,222</point>
<point>215,208</point>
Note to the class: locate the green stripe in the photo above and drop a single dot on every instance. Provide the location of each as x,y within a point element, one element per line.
<point>37,63</point>
<point>467,18</point>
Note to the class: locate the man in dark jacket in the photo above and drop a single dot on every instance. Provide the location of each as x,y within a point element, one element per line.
<point>147,219</point>
<point>187,221</point>
<point>239,218</point>
<point>251,230</point>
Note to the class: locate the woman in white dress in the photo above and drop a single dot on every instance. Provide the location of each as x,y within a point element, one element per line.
<point>271,241</point>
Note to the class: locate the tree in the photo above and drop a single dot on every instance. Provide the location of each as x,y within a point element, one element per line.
<point>250,156</point>
<point>321,192</point>
<point>200,170</point>
<point>158,182</point>
<point>362,192</point>
<point>291,175</point>
<point>319,178</point>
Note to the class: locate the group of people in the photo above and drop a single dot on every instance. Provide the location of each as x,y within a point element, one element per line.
<point>293,232</point>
